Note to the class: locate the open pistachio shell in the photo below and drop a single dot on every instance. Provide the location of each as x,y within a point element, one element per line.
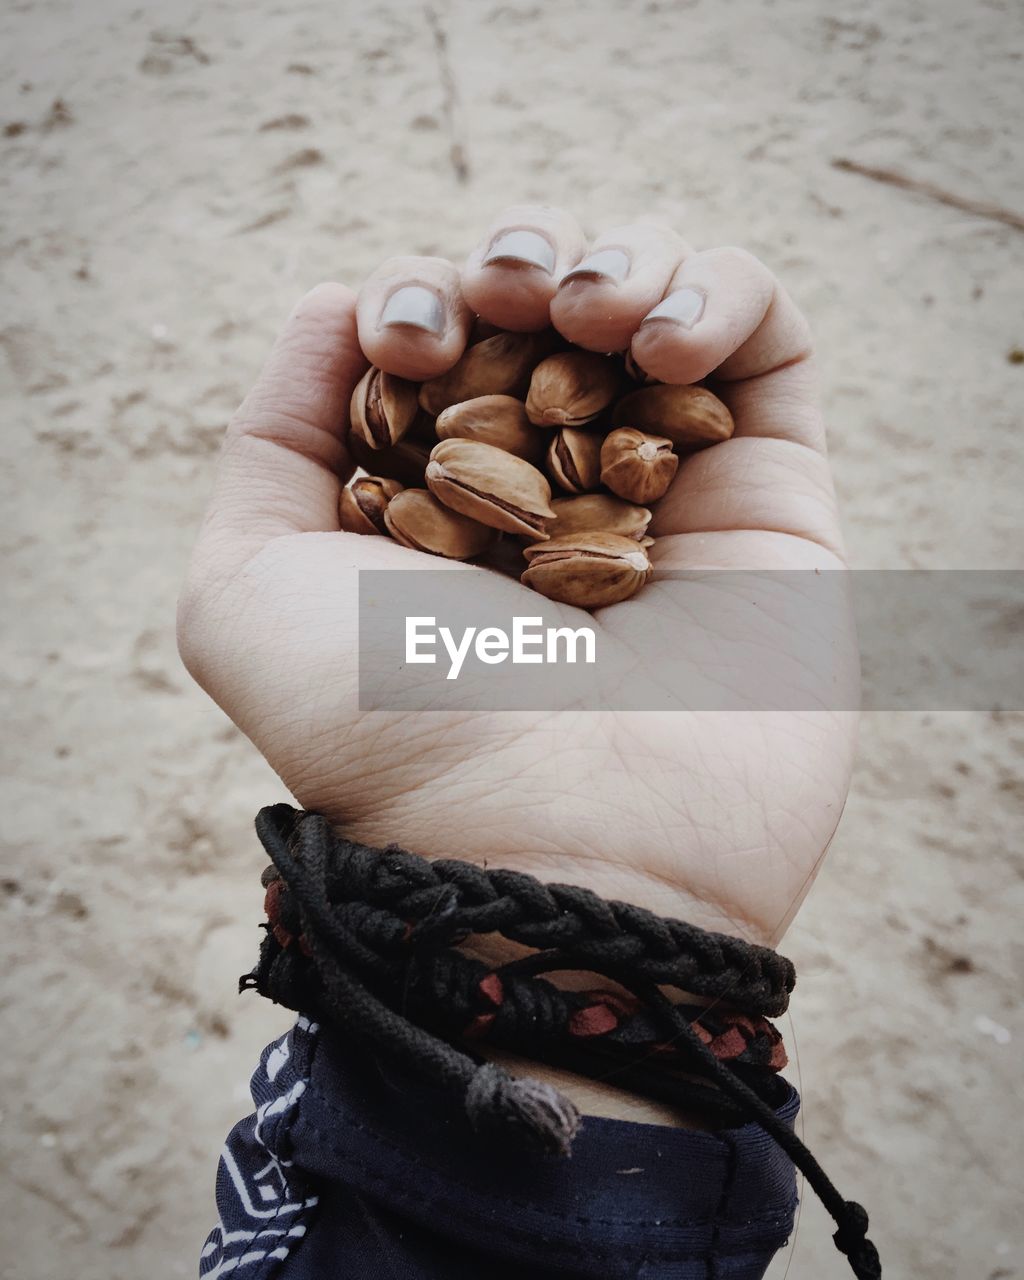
<point>571,388</point>
<point>490,485</point>
<point>599,513</point>
<point>416,519</point>
<point>383,408</point>
<point>364,502</point>
<point>587,569</point>
<point>691,417</point>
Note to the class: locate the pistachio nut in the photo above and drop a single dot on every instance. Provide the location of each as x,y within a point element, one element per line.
<point>491,486</point>
<point>599,512</point>
<point>500,365</point>
<point>574,460</point>
<point>571,388</point>
<point>404,462</point>
<point>416,519</point>
<point>689,416</point>
<point>497,420</point>
<point>636,466</point>
<point>363,503</point>
<point>587,569</point>
<point>383,408</point>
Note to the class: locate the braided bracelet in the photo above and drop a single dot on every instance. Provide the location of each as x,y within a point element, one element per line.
<point>355,933</point>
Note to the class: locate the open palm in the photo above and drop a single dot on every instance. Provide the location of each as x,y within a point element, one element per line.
<point>720,817</point>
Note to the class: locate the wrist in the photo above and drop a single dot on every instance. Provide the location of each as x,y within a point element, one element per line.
<point>594,1097</point>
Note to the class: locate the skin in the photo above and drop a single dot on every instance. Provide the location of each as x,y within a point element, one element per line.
<point>722,818</point>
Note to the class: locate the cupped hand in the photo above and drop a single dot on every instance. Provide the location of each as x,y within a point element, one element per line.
<point>718,817</point>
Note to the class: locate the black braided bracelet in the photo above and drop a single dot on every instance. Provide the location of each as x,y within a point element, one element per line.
<point>367,939</point>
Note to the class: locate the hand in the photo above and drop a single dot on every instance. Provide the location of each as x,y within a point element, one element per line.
<point>720,818</point>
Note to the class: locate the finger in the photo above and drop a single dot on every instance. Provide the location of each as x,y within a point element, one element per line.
<point>753,484</point>
<point>773,476</point>
<point>283,461</point>
<point>725,313</point>
<point>782,404</point>
<point>601,301</point>
<point>413,321</point>
<point>511,276</point>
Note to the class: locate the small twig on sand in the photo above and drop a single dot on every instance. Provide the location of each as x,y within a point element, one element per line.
<point>994,212</point>
<point>449,97</point>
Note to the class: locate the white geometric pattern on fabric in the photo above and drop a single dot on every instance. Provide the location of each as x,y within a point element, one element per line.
<point>256,1195</point>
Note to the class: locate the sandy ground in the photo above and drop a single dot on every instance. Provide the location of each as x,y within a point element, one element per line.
<point>173,176</point>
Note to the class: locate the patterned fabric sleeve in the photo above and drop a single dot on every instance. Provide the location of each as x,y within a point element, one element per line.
<point>265,1203</point>
<point>347,1169</point>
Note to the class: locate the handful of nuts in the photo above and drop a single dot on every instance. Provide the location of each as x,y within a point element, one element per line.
<point>471,457</point>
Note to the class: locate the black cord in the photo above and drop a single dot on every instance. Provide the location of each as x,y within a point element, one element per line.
<point>367,939</point>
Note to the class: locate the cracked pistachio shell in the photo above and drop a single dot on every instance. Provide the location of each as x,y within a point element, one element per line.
<point>416,519</point>
<point>636,466</point>
<point>690,417</point>
<point>363,503</point>
<point>599,513</point>
<point>491,486</point>
<point>574,460</point>
<point>497,420</point>
<point>587,569</point>
<point>499,365</point>
<point>383,408</point>
<point>571,388</point>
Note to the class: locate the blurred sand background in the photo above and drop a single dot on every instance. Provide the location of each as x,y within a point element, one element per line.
<point>173,177</point>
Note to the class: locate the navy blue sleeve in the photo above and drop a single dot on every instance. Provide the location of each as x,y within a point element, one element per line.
<point>347,1171</point>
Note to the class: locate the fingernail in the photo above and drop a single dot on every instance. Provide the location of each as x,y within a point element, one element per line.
<point>414,307</point>
<point>685,307</point>
<point>605,264</point>
<point>522,248</point>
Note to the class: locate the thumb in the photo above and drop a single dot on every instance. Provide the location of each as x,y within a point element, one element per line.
<point>284,459</point>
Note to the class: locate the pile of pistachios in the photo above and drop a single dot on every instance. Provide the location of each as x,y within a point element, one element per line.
<point>527,441</point>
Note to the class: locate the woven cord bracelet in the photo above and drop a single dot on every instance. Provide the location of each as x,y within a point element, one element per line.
<point>355,933</point>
